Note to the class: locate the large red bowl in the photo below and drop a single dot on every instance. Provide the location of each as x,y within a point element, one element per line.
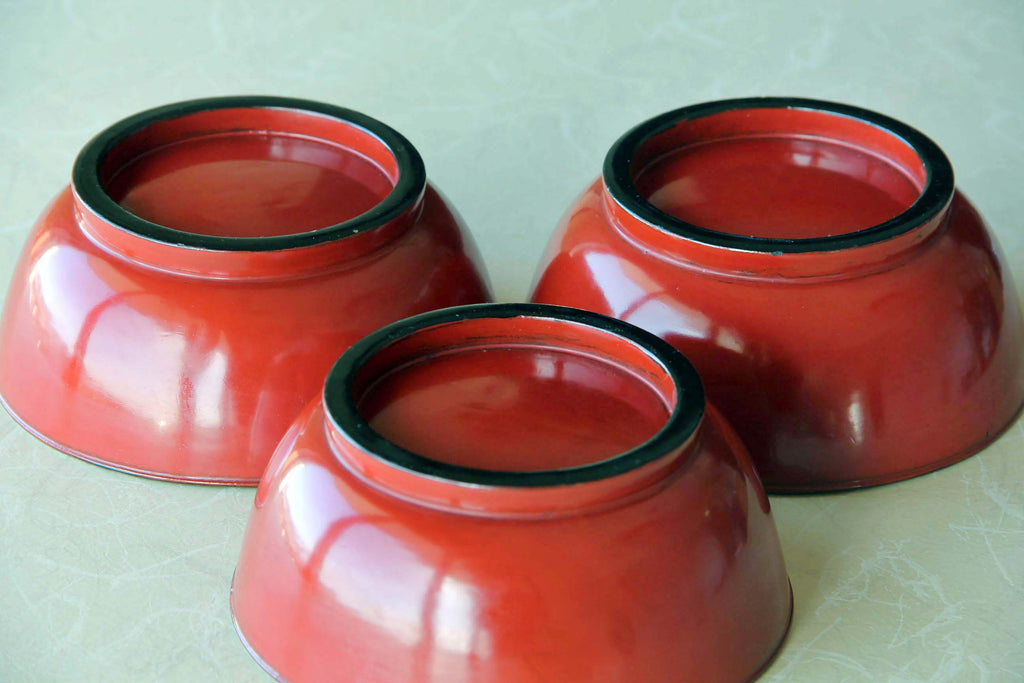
<point>573,511</point>
<point>178,305</point>
<point>846,307</point>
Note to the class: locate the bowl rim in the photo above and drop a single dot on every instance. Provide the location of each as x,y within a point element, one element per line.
<point>936,194</point>
<point>684,417</point>
<point>410,184</point>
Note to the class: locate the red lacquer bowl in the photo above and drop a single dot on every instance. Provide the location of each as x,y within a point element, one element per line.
<point>178,305</point>
<point>572,511</point>
<point>846,307</point>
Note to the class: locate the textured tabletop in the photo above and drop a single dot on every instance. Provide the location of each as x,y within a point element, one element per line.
<point>105,576</point>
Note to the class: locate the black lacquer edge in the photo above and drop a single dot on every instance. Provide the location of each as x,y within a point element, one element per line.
<point>683,420</point>
<point>937,192</point>
<point>86,176</point>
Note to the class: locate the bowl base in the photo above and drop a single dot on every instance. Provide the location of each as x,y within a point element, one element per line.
<point>769,660</point>
<point>87,457</point>
<point>903,475</point>
<point>245,643</point>
<point>778,646</point>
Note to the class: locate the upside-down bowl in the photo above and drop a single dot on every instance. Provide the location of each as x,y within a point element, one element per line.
<point>511,493</point>
<point>847,308</point>
<point>176,307</point>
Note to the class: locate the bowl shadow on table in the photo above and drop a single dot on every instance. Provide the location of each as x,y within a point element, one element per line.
<point>846,552</point>
<point>807,556</point>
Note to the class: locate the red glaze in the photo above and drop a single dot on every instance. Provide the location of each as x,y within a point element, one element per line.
<point>777,186</point>
<point>245,185</point>
<point>843,360</point>
<point>366,562</point>
<point>186,355</point>
<point>571,409</point>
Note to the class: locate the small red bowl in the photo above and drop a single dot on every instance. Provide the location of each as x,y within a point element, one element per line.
<point>847,309</point>
<point>178,305</point>
<point>511,493</point>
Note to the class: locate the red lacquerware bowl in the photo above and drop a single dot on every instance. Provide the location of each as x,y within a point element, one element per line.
<point>511,493</point>
<point>178,305</point>
<point>846,307</point>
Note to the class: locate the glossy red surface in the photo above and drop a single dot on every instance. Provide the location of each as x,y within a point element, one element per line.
<point>187,363</point>
<point>248,185</point>
<point>840,366</point>
<point>571,409</point>
<point>666,569</point>
<point>777,186</point>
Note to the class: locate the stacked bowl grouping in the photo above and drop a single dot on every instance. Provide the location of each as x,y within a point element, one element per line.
<point>440,515</point>
<point>846,307</point>
<point>176,306</point>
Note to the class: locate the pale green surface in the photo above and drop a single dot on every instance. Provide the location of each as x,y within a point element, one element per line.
<point>109,577</point>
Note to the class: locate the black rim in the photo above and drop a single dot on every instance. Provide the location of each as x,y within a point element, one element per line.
<point>937,191</point>
<point>683,420</point>
<point>86,176</point>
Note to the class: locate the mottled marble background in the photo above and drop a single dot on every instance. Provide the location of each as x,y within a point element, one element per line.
<point>106,577</point>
